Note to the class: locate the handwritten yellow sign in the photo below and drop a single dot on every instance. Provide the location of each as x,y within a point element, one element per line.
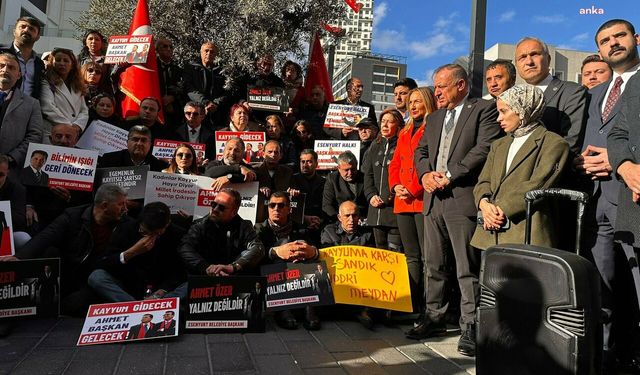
<point>368,277</point>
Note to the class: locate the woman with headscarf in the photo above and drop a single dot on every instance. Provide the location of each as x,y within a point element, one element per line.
<point>529,157</point>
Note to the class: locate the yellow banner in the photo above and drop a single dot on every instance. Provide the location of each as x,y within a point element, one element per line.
<point>368,277</point>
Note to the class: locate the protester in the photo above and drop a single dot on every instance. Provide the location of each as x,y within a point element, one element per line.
<point>191,130</point>
<point>103,108</point>
<point>311,184</point>
<point>345,184</point>
<point>148,116</point>
<point>25,34</point>
<point>401,91</point>
<point>276,131</point>
<point>15,193</point>
<point>94,47</point>
<point>313,111</point>
<point>95,80</point>
<point>138,152</point>
<point>170,79</point>
<point>291,74</point>
<point>594,71</point>
<point>183,160</point>
<point>272,176</point>
<point>239,116</point>
<point>231,168</point>
<point>355,89</point>
<point>500,75</point>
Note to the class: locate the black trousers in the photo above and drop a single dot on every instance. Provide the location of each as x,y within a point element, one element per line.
<point>411,228</point>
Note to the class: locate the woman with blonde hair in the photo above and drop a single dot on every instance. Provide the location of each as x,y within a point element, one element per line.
<point>405,185</point>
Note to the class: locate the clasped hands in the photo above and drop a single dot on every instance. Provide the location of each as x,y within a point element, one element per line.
<point>432,181</point>
<point>494,217</point>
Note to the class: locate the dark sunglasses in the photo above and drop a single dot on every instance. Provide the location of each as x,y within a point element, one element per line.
<point>186,155</point>
<point>218,207</point>
<point>277,205</point>
<point>192,114</point>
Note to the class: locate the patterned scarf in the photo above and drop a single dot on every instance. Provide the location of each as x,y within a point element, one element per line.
<point>528,102</point>
<point>281,231</point>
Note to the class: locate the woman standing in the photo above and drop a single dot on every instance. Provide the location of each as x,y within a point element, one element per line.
<point>530,157</point>
<point>63,90</point>
<point>94,47</point>
<point>405,183</point>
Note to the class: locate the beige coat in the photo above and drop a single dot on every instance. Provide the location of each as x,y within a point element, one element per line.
<point>537,165</point>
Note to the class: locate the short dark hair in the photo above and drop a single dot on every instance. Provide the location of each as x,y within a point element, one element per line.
<point>281,194</point>
<point>4,159</point>
<point>593,58</point>
<point>309,151</point>
<point>41,152</point>
<point>11,56</point>
<point>153,99</point>
<point>295,66</point>
<point>193,104</point>
<point>350,82</point>
<point>410,83</point>
<point>615,21</point>
<point>155,215</point>
<point>508,65</point>
<point>237,198</point>
<point>139,129</point>
<point>31,21</point>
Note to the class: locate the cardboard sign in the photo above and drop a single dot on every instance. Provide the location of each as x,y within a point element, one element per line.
<point>124,321</point>
<point>70,168</point>
<point>344,116</point>
<point>293,285</point>
<point>368,276</point>
<point>6,225</point>
<point>30,288</point>
<point>328,152</point>
<point>248,208</point>
<point>163,149</point>
<point>226,304</point>
<point>253,142</point>
<point>273,99</point>
<point>133,49</point>
<point>103,137</point>
<point>132,179</point>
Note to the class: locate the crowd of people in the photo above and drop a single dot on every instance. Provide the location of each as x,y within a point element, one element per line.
<point>441,177</point>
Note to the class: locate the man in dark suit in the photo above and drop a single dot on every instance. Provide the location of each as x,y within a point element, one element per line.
<point>33,174</point>
<point>138,152</point>
<point>142,330</point>
<point>167,327</point>
<point>355,89</point>
<point>170,78</point>
<point>566,110</point>
<point>309,182</point>
<point>272,176</point>
<point>616,42</point>
<point>448,160</point>
<point>257,303</point>
<point>192,130</point>
<point>345,184</point>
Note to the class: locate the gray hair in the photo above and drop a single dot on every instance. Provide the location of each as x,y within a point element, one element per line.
<point>108,193</point>
<point>139,129</point>
<point>194,105</point>
<point>457,71</point>
<point>545,48</point>
<point>236,139</point>
<point>348,157</point>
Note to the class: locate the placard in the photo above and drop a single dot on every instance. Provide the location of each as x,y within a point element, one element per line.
<point>133,49</point>
<point>344,115</point>
<point>293,285</point>
<point>132,179</point>
<point>297,208</point>
<point>163,148</point>
<point>6,225</point>
<point>103,137</point>
<point>226,304</point>
<point>30,288</point>
<point>253,142</point>
<point>273,99</point>
<point>130,321</point>
<point>328,152</point>
<point>48,165</point>
<point>368,276</point>
<point>248,208</point>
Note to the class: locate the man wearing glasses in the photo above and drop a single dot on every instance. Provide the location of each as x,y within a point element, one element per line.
<point>222,243</point>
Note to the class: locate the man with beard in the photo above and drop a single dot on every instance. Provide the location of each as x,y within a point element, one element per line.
<point>500,75</point>
<point>314,111</point>
<point>272,176</point>
<point>232,168</point>
<point>401,91</point>
<point>617,45</point>
<point>312,184</point>
<point>345,184</point>
<point>25,35</point>
<point>222,243</point>
<point>138,152</point>
<point>355,89</point>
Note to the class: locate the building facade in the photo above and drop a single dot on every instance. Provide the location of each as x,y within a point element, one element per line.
<point>358,29</point>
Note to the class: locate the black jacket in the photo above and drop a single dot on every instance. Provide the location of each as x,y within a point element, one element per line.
<point>376,182</point>
<point>314,188</point>
<point>336,191</point>
<point>209,243</point>
<point>122,158</point>
<point>269,239</point>
<point>334,235</point>
<point>217,168</point>
<point>15,192</point>
<point>38,75</point>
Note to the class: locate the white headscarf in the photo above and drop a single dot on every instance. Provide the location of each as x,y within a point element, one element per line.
<point>528,102</point>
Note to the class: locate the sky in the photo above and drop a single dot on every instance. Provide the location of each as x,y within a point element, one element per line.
<point>432,33</point>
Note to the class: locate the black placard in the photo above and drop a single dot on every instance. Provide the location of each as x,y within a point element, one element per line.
<point>293,285</point>
<point>30,288</point>
<point>273,99</point>
<point>132,179</point>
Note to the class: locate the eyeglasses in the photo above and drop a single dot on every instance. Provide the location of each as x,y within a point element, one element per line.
<point>277,205</point>
<point>189,114</point>
<point>218,207</point>
<point>186,155</point>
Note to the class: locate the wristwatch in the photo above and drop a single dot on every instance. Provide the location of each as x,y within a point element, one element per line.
<point>236,267</point>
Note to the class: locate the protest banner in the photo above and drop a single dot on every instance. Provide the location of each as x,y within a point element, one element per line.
<point>130,321</point>
<point>248,207</point>
<point>293,285</point>
<point>344,115</point>
<point>226,304</point>
<point>103,137</point>
<point>272,99</point>
<point>297,208</point>
<point>70,168</point>
<point>133,49</point>
<point>368,276</point>
<point>328,152</point>
<point>30,288</point>
<point>6,225</point>
<point>163,148</point>
<point>253,141</point>
<point>132,179</point>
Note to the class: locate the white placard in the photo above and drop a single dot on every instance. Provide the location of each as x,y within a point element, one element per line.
<point>103,137</point>
<point>328,152</point>
<point>70,168</point>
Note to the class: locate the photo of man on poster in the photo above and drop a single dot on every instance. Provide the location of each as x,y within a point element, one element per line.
<point>142,330</point>
<point>33,174</point>
<point>256,304</point>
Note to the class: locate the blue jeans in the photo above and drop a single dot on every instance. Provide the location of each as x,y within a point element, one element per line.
<point>108,287</point>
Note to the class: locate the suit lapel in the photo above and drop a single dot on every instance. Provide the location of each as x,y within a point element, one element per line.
<point>15,102</point>
<point>552,90</point>
<point>526,150</point>
<point>434,125</point>
<point>462,121</point>
<point>64,90</point>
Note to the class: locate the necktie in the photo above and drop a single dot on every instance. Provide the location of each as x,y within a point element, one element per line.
<point>38,176</point>
<point>449,125</point>
<point>193,131</point>
<point>612,99</point>
<point>3,96</point>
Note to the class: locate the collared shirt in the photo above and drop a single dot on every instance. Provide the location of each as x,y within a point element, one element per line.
<point>626,75</point>
<point>445,138</point>
<point>28,70</point>
<point>193,136</point>
<point>545,82</point>
<point>516,145</point>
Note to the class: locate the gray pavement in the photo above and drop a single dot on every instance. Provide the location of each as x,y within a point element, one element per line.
<point>48,347</point>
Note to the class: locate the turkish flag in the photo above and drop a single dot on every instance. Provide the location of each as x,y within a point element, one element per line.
<point>140,81</point>
<point>317,74</point>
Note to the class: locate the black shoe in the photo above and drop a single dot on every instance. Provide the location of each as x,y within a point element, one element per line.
<point>628,365</point>
<point>418,321</point>
<point>387,318</point>
<point>311,320</point>
<point>428,328</point>
<point>467,342</point>
<point>365,319</point>
<point>286,320</point>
